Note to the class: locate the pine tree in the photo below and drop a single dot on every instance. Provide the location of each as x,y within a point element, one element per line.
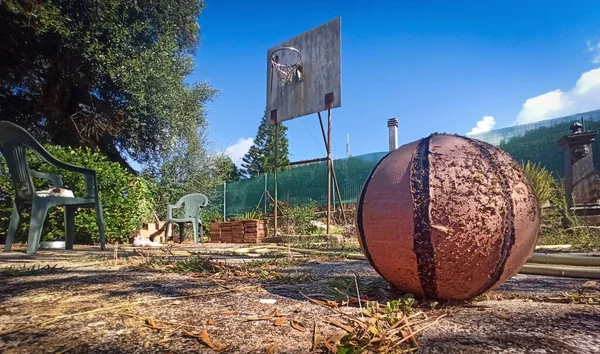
<point>226,170</point>
<point>260,158</point>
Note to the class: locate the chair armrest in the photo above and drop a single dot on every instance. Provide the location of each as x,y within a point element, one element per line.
<point>91,182</point>
<point>170,208</point>
<point>63,165</point>
<point>56,180</point>
<point>170,211</point>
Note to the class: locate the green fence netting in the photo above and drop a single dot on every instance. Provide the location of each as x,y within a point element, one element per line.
<point>536,142</point>
<point>296,186</point>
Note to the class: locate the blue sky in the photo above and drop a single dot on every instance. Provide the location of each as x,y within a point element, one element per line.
<point>436,66</point>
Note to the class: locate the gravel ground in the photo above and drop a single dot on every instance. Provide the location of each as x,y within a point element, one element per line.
<point>528,314</point>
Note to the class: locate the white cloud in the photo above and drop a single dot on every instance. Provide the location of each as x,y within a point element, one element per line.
<point>484,125</point>
<point>585,96</point>
<point>595,49</point>
<point>239,149</point>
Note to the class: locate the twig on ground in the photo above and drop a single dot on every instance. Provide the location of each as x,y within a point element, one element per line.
<point>413,334</point>
<point>178,324</point>
<point>358,296</point>
<point>332,309</point>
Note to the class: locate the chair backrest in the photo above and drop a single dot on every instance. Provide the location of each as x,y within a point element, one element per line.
<point>14,142</point>
<point>193,203</point>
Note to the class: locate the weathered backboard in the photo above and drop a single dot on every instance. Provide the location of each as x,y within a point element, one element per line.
<point>319,87</point>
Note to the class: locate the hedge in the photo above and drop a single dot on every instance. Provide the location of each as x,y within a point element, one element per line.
<point>127,199</point>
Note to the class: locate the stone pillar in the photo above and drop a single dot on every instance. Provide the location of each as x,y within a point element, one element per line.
<point>580,178</point>
<point>392,124</point>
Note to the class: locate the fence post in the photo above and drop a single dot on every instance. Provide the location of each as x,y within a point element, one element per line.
<point>224,201</point>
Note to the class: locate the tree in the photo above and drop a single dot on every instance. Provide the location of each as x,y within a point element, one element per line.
<point>226,170</point>
<point>187,169</point>
<point>260,158</point>
<point>107,74</point>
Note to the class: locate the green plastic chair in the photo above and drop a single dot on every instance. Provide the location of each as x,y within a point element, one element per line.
<point>14,142</point>
<point>193,205</point>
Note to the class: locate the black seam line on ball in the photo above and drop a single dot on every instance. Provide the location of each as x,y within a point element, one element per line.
<point>419,183</point>
<point>509,225</point>
<point>359,215</point>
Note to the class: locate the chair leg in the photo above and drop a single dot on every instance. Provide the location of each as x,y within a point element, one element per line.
<point>39,209</point>
<point>166,231</point>
<point>195,225</point>
<point>181,228</point>
<point>201,232</point>
<point>15,218</point>
<point>100,222</point>
<point>69,227</point>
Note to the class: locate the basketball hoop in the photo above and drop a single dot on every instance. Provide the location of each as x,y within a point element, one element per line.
<point>290,68</point>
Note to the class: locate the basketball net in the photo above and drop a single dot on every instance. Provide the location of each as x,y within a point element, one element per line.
<point>286,73</point>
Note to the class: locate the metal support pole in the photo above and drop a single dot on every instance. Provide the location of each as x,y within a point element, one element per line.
<point>335,181</point>
<point>328,171</point>
<point>304,162</point>
<point>339,194</point>
<point>265,194</point>
<point>224,201</point>
<point>275,178</point>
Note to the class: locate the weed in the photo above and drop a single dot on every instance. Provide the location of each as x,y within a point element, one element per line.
<point>187,265</point>
<point>542,180</point>
<point>327,243</point>
<point>343,288</point>
<point>23,270</point>
<point>253,215</point>
<point>278,262</point>
<point>297,219</point>
<point>262,270</point>
<point>387,328</point>
<point>93,258</point>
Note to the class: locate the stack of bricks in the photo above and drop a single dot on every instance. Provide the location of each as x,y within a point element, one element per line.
<point>226,232</point>
<point>247,231</point>
<point>237,230</point>
<point>215,232</point>
<point>255,231</point>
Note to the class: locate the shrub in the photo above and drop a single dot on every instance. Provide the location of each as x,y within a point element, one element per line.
<point>542,180</point>
<point>298,218</point>
<point>126,199</point>
<point>559,224</point>
<point>252,215</point>
<point>208,216</point>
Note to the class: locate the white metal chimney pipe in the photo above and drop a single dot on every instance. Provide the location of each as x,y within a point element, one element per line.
<point>392,124</point>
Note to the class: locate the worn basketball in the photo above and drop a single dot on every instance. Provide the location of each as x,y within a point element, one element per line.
<point>447,217</point>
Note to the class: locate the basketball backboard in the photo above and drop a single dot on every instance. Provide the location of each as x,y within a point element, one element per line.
<point>304,74</point>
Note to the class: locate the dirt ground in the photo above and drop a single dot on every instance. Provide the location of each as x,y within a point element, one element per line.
<point>149,311</point>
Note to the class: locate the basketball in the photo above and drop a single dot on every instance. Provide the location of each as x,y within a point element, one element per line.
<point>447,217</point>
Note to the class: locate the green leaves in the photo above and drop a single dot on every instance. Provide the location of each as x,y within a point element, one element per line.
<point>298,218</point>
<point>107,74</point>
<point>226,170</point>
<point>349,349</point>
<point>543,182</point>
<point>126,199</point>
<point>405,304</point>
<point>351,344</point>
<point>260,158</point>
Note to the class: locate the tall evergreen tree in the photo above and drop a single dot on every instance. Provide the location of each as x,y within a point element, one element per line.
<point>260,158</point>
<point>226,170</point>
